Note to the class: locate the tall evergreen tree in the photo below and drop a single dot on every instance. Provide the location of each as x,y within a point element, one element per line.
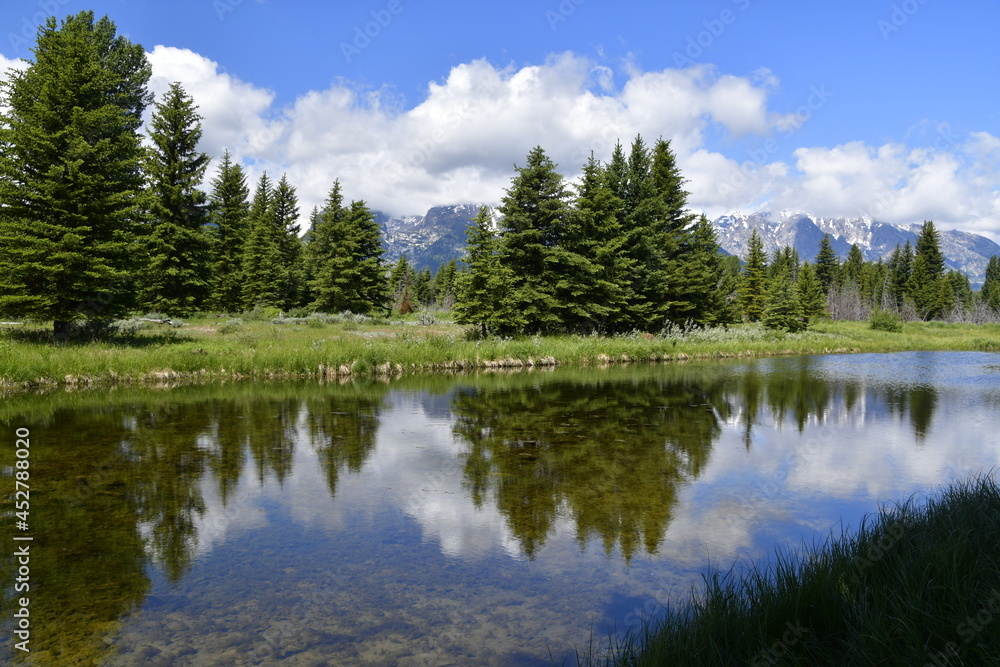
<point>929,246</point>
<point>680,277</point>
<point>284,217</point>
<point>444,284</point>
<point>850,272</point>
<point>600,241</point>
<point>262,274</point>
<point>644,212</point>
<point>900,268</point>
<point>990,292</point>
<point>535,225</point>
<point>782,305</point>
<point>70,174</point>
<point>753,285</point>
<point>346,258</point>
<point>176,280</point>
<point>229,210</point>
<point>323,254</point>
<point>812,298</point>
<point>931,297</point>
<point>484,289</point>
<point>827,264</point>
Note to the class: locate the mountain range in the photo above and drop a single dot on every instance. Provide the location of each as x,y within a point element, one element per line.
<point>438,236</point>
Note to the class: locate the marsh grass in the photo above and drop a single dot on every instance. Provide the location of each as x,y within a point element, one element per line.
<point>916,584</point>
<point>321,345</point>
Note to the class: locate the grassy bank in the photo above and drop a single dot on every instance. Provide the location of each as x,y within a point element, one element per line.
<point>216,348</point>
<point>919,584</point>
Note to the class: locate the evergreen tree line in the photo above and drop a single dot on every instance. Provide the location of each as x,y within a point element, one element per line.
<point>621,253</point>
<point>94,224</point>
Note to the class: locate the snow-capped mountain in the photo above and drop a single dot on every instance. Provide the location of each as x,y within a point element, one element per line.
<point>439,236</point>
<point>966,252</point>
<point>428,240</point>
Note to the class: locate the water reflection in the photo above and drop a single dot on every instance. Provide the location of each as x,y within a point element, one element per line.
<point>364,498</point>
<point>610,453</point>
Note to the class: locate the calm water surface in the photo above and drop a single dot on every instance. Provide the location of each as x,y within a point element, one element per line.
<point>493,519</point>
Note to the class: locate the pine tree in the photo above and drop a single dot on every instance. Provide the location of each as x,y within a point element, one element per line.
<point>284,217</point>
<point>990,292</point>
<point>850,272</point>
<point>900,268</point>
<point>600,241</point>
<point>324,254</point>
<point>346,258</point>
<point>753,286</point>
<point>641,243</point>
<point>812,298</point>
<point>931,297</point>
<point>827,264</point>
<point>929,246</point>
<point>681,277</point>
<point>422,287</point>
<point>782,306</point>
<point>961,289</point>
<point>706,292</point>
<point>444,282</point>
<point>176,280</point>
<point>262,275</point>
<point>400,280</point>
<point>229,210</point>
<point>70,174</point>
<point>484,289</point>
<point>532,246</point>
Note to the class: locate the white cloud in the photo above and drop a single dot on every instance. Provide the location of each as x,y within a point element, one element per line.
<point>459,144</point>
<point>956,187</point>
<point>236,115</point>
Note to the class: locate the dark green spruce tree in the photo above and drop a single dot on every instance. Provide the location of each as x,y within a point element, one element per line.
<point>285,218</point>
<point>323,255</point>
<point>345,255</point>
<point>753,284</point>
<point>926,286</point>
<point>71,174</point>
<point>680,275</point>
<point>782,305</point>
<point>533,246</point>
<point>484,288</point>
<point>990,292</point>
<point>229,211</point>
<point>827,264</point>
<point>600,241</point>
<point>900,268</point>
<point>812,297</point>
<point>176,279</point>
<point>262,272</point>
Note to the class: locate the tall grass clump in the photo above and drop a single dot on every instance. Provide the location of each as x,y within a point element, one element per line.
<point>917,583</point>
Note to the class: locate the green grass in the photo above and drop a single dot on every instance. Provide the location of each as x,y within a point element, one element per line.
<point>917,584</point>
<point>257,345</point>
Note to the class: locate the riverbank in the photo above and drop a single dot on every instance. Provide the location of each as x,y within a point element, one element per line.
<point>211,348</point>
<point>919,584</point>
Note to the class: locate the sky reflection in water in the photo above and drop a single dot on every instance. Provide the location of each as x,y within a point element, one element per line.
<point>494,519</point>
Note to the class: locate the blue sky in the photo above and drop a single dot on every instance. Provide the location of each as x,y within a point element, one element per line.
<point>885,109</point>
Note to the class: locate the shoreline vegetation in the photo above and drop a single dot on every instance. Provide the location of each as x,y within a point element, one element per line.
<point>916,584</point>
<point>267,346</point>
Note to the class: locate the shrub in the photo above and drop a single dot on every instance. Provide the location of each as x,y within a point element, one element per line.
<point>885,320</point>
<point>427,318</point>
<point>231,326</point>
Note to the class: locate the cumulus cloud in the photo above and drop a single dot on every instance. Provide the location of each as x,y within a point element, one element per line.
<point>460,142</point>
<point>956,184</point>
